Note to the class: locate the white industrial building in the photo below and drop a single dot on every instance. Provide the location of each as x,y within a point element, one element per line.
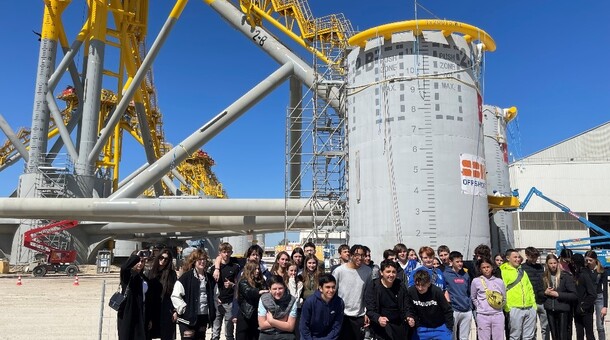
<point>574,172</point>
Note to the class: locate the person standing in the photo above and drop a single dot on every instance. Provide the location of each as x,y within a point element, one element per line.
<point>250,287</point>
<point>458,288</point>
<point>535,272</point>
<point>311,273</point>
<point>343,253</point>
<point>489,316</point>
<point>297,256</point>
<point>560,291</point>
<point>295,287</point>
<point>322,315</point>
<point>600,279</point>
<point>309,248</point>
<point>402,259</point>
<point>428,309</point>
<point>368,262</point>
<point>132,323</point>
<point>227,273</point>
<point>193,297</point>
<point>277,311</point>
<point>161,280</point>
<point>386,306</point>
<point>587,294</point>
<point>520,299</point>
<point>443,255</point>
<point>351,280</point>
<point>426,255</point>
<point>280,266</point>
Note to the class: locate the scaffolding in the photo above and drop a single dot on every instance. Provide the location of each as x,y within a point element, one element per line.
<point>322,151</point>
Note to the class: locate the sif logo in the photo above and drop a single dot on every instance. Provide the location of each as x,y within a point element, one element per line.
<point>472,168</point>
<point>473,175</point>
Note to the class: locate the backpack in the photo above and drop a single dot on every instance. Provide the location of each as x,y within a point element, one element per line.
<point>494,298</point>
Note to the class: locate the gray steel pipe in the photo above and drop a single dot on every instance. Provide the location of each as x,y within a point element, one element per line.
<point>195,141</point>
<point>280,53</point>
<point>230,224</point>
<point>84,207</point>
<point>12,136</point>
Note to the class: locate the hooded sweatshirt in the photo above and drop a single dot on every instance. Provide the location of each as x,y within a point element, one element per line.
<point>458,286</point>
<point>321,320</point>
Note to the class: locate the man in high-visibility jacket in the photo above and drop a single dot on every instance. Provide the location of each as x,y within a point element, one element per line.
<point>520,298</point>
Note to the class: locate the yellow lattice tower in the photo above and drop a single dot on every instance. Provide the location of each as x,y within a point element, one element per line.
<point>197,170</point>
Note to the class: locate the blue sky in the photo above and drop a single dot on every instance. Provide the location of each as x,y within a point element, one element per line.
<point>551,62</point>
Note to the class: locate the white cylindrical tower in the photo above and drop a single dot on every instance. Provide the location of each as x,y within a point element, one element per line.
<point>495,121</point>
<point>417,166</point>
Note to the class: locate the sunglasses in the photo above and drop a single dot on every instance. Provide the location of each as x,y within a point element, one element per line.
<point>163,258</point>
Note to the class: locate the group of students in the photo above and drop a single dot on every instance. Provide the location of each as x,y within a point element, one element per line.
<point>408,295</point>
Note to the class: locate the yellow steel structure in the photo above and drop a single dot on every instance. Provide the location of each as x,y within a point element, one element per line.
<point>197,169</point>
<point>128,36</point>
<point>471,33</point>
<point>319,35</point>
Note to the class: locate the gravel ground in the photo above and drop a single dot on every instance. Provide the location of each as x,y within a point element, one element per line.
<point>52,307</point>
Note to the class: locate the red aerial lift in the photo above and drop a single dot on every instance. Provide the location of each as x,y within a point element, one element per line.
<point>56,259</point>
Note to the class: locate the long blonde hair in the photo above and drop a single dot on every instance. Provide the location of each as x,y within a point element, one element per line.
<point>547,272</point>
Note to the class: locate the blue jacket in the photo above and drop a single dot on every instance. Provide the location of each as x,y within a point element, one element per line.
<point>436,277</point>
<point>321,320</point>
<point>458,286</point>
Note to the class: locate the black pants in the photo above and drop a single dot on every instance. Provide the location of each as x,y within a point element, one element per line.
<point>297,335</point>
<point>558,323</point>
<point>196,332</point>
<point>583,321</point>
<point>352,328</point>
<point>246,328</point>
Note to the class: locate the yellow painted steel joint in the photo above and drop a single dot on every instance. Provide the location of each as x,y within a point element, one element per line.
<point>51,18</point>
<point>178,8</point>
<point>418,26</point>
<point>510,113</point>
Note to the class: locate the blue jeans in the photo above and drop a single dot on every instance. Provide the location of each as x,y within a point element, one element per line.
<point>438,333</point>
<point>599,320</point>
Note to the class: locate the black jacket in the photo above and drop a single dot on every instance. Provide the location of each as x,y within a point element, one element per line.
<point>159,306</point>
<point>131,321</point>
<point>535,272</point>
<point>191,283</point>
<point>586,292</point>
<point>567,294</point>
<point>248,298</point>
<point>601,282</point>
<point>372,296</point>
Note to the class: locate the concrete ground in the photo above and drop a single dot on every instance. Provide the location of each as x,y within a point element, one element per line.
<point>52,307</point>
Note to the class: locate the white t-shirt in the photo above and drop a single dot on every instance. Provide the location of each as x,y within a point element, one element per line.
<point>350,287</point>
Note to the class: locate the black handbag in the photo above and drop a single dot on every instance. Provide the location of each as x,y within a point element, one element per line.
<point>117,299</point>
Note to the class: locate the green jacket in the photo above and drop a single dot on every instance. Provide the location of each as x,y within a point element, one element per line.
<point>522,294</point>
